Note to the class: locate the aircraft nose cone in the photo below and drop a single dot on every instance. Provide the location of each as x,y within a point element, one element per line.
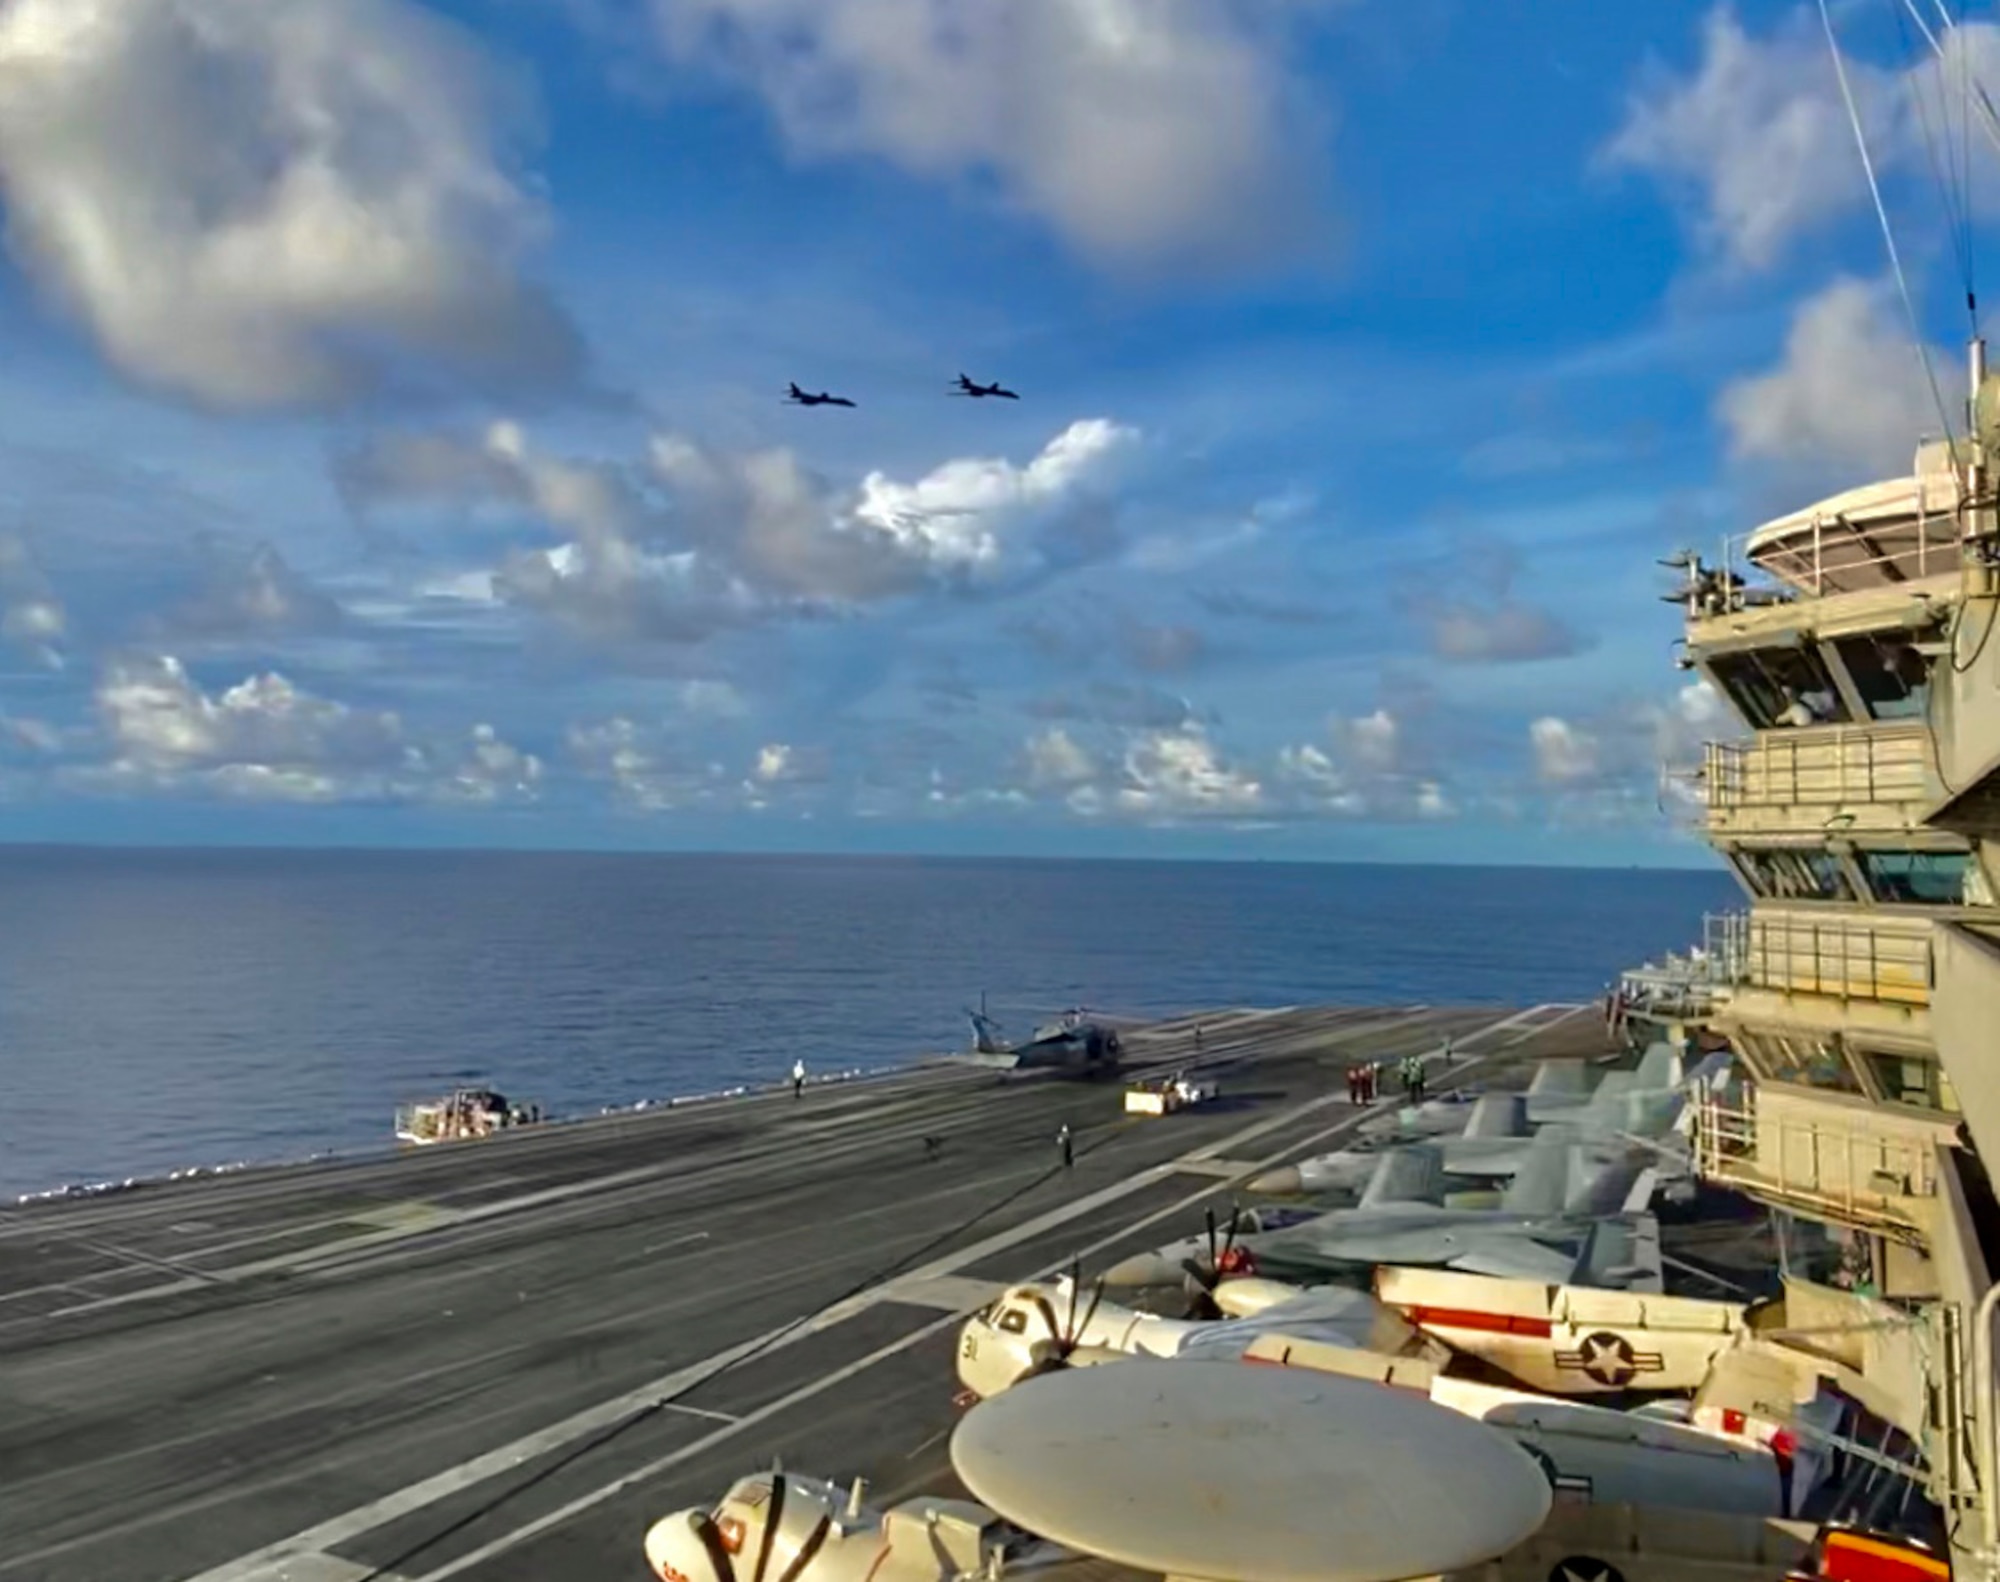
<point>1278,1183</point>
<point>671,1544</point>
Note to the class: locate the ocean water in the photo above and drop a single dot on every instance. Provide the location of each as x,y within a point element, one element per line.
<point>160,1009</point>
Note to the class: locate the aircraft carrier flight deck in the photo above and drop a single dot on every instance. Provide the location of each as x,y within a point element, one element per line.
<point>451,1362</point>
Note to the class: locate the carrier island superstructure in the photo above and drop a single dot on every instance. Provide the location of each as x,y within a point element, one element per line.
<point>1855,642</point>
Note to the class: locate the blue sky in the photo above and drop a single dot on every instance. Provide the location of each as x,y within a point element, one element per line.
<point>391,451</point>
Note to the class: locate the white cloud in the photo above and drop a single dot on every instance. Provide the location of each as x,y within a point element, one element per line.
<point>1140,130</point>
<point>260,738</point>
<point>1499,633</point>
<point>1055,760</point>
<point>266,739</point>
<point>1154,776</point>
<point>1565,754</point>
<point>1759,135</point>
<point>633,760</point>
<point>293,201</point>
<point>971,522</point>
<point>32,618</point>
<point>701,539</point>
<point>1374,742</point>
<point>1622,760</point>
<point>1849,389</point>
<point>1480,621</point>
<point>252,592</point>
<point>1367,774</point>
<point>1178,774</point>
<point>774,762</point>
<point>486,769</point>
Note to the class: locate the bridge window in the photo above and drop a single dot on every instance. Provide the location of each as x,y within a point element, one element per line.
<point>1894,680</point>
<point>1916,878</point>
<point>1774,686</point>
<point>1810,1063</point>
<point>1786,875</point>
<point>1908,1079</point>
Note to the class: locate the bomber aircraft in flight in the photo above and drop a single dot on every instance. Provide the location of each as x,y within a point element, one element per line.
<point>798,397</point>
<point>966,387</point>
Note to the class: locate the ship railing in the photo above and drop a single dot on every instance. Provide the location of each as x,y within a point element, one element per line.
<point>1820,766</point>
<point>1853,1172</point>
<point>1926,542</point>
<point>1847,957</point>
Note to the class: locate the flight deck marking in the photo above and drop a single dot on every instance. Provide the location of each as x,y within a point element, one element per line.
<point>584,1502</point>
<point>272,1563</point>
<point>703,1411</point>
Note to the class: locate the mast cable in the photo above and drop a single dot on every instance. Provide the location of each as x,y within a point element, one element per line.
<point>1943,171</point>
<point>1882,214</point>
<point>1976,91</point>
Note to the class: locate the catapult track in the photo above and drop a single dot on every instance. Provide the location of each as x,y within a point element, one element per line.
<point>438,1364</point>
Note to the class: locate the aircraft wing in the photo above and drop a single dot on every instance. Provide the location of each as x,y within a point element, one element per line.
<point>1516,1257</point>
<point>1336,1315</point>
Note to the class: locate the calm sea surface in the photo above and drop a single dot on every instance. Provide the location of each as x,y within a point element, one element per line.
<point>164,1009</point>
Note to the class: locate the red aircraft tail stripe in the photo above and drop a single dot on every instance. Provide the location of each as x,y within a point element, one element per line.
<point>1491,1323</point>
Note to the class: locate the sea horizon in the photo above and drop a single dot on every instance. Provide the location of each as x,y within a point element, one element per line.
<point>167,1007</point>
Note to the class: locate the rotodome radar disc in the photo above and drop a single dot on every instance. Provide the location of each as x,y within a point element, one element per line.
<point>1237,1473</point>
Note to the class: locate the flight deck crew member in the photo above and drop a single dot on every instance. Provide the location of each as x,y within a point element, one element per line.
<point>798,1078</point>
<point>1067,1144</point>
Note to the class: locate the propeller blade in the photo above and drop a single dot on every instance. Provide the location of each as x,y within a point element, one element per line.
<point>1090,1312</point>
<point>1068,1336</point>
<point>771,1520</point>
<point>1208,1214</point>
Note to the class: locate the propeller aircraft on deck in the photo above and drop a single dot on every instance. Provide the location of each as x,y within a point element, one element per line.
<point>777,1525</point>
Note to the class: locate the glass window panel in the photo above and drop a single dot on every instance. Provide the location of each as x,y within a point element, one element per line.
<point>1785,875</point>
<point>1916,878</point>
<point>1891,676</point>
<point>1906,1079</point>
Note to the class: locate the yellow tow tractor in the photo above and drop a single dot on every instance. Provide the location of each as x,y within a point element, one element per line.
<point>1167,1095</point>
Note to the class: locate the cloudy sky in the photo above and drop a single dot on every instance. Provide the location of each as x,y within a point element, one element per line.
<point>391,448</point>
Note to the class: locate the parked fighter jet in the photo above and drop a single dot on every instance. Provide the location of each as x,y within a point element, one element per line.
<point>965,387</point>
<point>1623,1110</point>
<point>1565,1218</point>
<point>798,397</point>
<point>1074,1041</point>
<point>777,1525</point>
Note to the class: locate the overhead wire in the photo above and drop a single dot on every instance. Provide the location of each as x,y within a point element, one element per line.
<point>392,1566</point>
<point>1882,214</point>
<point>1954,198</point>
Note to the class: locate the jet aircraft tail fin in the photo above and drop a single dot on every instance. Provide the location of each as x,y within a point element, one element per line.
<point>1541,1185</point>
<point>1498,1115</point>
<point>1406,1175</point>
